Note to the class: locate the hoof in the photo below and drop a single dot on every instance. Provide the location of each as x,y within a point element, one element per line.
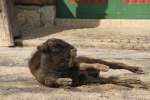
<point>64,81</point>
<point>137,70</point>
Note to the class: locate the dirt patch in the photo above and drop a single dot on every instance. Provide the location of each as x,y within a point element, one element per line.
<point>17,83</point>
<point>11,78</point>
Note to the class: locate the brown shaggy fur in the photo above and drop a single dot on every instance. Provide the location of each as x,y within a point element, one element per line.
<point>55,64</point>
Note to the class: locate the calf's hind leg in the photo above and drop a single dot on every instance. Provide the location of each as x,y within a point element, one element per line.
<point>113,65</point>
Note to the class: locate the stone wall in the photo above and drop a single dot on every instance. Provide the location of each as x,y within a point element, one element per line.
<point>35,2</point>
<point>34,14</point>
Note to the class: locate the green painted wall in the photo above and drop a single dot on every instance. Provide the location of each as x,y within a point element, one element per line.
<point>113,9</point>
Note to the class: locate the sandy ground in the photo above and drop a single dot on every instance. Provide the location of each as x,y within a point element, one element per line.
<point>17,83</point>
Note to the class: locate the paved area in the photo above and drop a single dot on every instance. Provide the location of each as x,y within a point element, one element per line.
<point>17,83</point>
<point>98,37</point>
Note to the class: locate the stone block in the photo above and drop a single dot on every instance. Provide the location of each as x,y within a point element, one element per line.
<point>48,15</point>
<point>28,16</point>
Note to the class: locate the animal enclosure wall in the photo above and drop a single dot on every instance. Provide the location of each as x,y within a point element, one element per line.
<point>34,2</point>
<point>104,9</point>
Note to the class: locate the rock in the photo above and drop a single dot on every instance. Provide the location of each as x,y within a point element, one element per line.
<point>48,15</point>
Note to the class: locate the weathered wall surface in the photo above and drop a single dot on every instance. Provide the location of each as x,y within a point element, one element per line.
<point>30,14</point>
<point>35,2</point>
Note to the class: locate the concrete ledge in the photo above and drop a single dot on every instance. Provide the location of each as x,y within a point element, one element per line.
<point>142,24</point>
<point>6,44</point>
